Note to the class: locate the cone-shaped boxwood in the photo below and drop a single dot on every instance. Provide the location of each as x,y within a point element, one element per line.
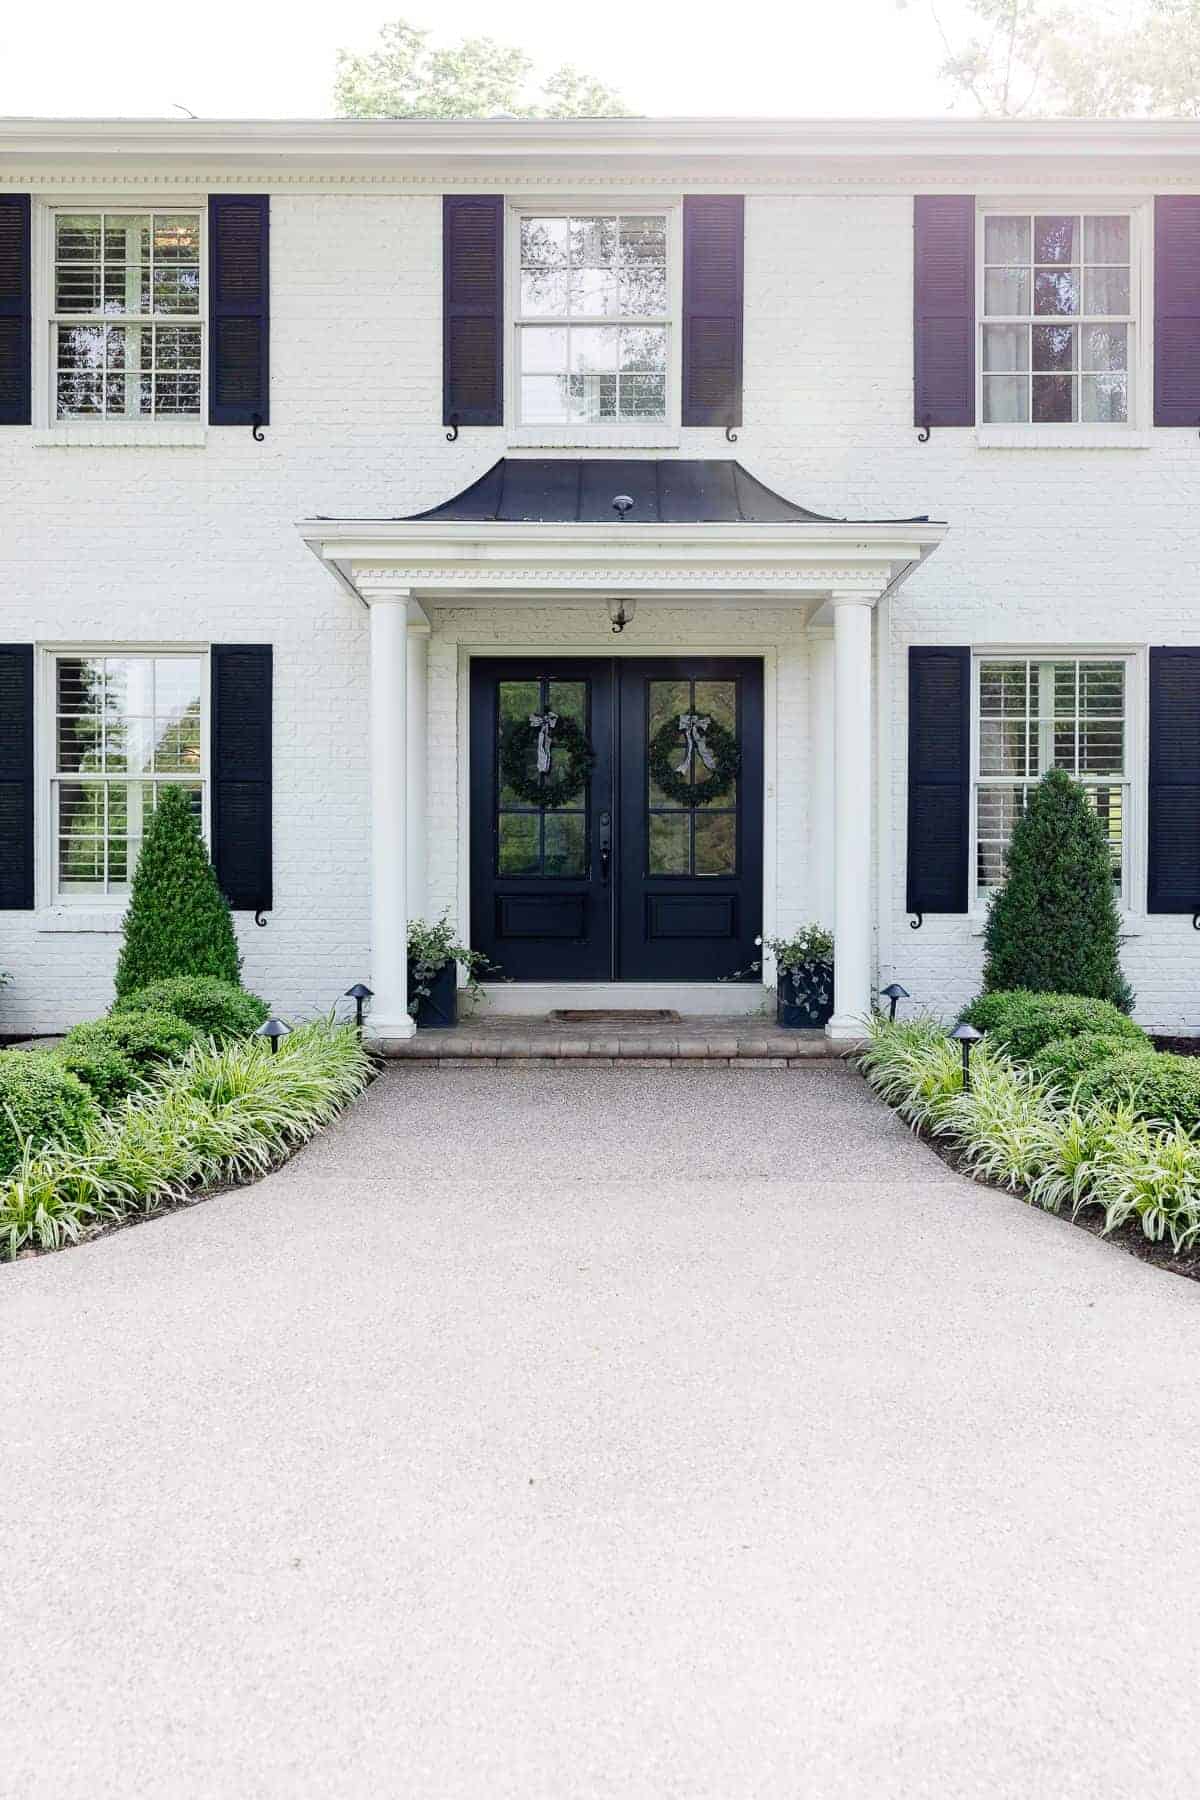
<point>39,1100</point>
<point>216,1008</point>
<point>1054,925</point>
<point>178,922</point>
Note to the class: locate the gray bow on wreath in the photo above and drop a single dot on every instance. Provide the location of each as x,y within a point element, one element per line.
<point>693,727</point>
<point>543,724</point>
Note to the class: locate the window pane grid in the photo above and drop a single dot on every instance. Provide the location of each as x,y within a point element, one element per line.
<point>125,727</point>
<point>1035,714</point>
<point>142,269</point>
<point>1057,306</point>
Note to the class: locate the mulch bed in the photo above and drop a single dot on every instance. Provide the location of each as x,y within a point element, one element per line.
<point>1177,1046</point>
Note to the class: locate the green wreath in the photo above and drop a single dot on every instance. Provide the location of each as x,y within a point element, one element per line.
<point>671,739</point>
<point>571,762</point>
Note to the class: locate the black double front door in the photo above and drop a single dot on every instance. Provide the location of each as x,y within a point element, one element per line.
<point>622,877</point>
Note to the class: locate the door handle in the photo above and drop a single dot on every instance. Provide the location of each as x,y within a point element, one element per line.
<point>605,845</point>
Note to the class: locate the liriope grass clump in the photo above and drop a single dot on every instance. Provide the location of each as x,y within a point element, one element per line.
<point>224,1114</point>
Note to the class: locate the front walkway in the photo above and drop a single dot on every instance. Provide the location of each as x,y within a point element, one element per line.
<point>620,1434</point>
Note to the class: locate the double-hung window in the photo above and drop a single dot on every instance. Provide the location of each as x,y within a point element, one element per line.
<point>1057,317</point>
<point>125,726</point>
<point>593,319</point>
<point>1034,713</point>
<point>127,315</point>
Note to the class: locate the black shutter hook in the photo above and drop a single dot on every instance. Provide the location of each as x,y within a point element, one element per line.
<point>256,425</point>
<point>926,424</point>
<point>730,434</point>
<point>915,923</point>
<point>452,434</point>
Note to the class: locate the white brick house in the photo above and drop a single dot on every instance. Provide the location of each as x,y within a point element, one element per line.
<point>446,298</point>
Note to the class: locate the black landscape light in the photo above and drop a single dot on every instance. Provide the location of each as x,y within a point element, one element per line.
<point>273,1030</point>
<point>893,993</point>
<point>966,1035</point>
<point>360,993</point>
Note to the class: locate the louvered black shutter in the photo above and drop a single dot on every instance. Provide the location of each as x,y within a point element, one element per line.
<point>939,779</point>
<point>239,306</point>
<point>1177,309</point>
<point>16,388</point>
<point>16,777</point>
<point>944,309</point>
<point>713,259</point>
<point>1173,884</point>
<point>473,309</point>
<point>241,765</point>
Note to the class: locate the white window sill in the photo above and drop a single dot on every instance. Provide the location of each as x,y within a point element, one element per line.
<point>122,437</point>
<point>595,437</point>
<point>1062,437</point>
<point>104,919</point>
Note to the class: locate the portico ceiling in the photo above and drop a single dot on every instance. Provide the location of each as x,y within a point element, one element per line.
<point>679,526</point>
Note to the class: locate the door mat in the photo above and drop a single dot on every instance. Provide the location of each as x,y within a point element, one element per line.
<point>614,1016</point>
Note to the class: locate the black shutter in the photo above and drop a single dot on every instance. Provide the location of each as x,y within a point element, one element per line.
<point>944,309</point>
<point>16,387</point>
<point>713,257</point>
<point>241,781</point>
<point>473,309</point>
<point>16,777</point>
<point>1177,309</point>
<point>239,308</point>
<point>939,779</point>
<point>1173,884</point>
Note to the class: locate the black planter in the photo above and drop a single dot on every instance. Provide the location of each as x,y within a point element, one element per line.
<point>437,1010</point>
<point>804,997</point>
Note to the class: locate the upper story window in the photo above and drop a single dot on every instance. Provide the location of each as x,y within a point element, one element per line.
<point>1039,713</point>
<point>124,726</point>
<point>1057,318</point>
<point>593,319</point>
<point>126,323</point>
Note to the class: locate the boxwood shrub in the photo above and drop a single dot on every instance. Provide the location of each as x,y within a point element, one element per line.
<point>1065,1059</point>
<point>218,1009</point>
<point>104,1070</point>
<point>40,1100</point>
<point>146,1039</point>
<point>1156,1087</point>
<point>1022,1023</point>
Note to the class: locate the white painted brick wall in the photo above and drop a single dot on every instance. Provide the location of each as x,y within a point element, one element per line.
<point>105,545</point>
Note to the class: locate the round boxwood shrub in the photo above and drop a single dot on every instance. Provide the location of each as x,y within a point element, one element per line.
<point>216,1008</point>
<point>41,1100</point>
<point>1022,1023</point>
<point>104,1070</point>
<point>1065,1059</point>
<point>1156,1087</point>
<point>145,1039</point>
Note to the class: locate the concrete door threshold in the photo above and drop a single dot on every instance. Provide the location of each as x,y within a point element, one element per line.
<point>756,1042</point>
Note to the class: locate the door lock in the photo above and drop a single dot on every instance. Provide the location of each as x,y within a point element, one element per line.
<point>605,845</point>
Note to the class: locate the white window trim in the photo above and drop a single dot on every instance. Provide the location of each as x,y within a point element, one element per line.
<point>50,432</point>
<point>91,912</point>
<point>1132,900</point>
<point>1135,434</point>
<point>664,434</point>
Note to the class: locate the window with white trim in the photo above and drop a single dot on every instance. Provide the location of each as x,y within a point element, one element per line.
<point>127,315</point>
<point>593,318</point>
<point>1038,713</point>
<point>125,726</point>
<point>1057,318</point>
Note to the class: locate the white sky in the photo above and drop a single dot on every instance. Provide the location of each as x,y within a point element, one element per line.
<point>275,58</point>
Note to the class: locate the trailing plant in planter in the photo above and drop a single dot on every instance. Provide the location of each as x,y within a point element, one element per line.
<point>434,958</point>
<point>803,979</point>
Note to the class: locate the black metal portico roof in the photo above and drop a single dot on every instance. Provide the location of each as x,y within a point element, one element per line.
<point>581,491</point>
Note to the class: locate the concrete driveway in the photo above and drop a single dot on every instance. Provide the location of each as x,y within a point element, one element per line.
<point>608,1433</point>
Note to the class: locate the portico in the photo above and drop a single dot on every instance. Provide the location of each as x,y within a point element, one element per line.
<point>518,571</point>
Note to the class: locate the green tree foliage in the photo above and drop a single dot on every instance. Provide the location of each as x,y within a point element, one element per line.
<point>178,922</point>
<point>1054,926</point>
<point>402,78</point>
<point>1110,59</point>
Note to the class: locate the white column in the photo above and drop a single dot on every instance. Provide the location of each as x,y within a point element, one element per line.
<point>389,1017</point>
<point>418,757</point>
<point>821,803</point>
<point>853,802</point>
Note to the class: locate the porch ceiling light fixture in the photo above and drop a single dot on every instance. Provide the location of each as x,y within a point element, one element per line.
<point>621,612</point>
<point>967,1036</point>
